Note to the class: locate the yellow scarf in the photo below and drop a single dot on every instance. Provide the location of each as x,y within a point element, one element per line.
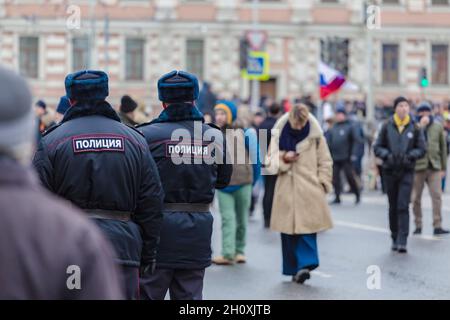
<point>401,124</point>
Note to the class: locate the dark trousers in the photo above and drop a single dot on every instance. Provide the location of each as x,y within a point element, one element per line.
<point>182,284</point>
<point>381,172</point>
<point>346,166</point>
<point>269,190</point>
<point>130,278</point>
<point>399,187</point>
<point>299,252</point>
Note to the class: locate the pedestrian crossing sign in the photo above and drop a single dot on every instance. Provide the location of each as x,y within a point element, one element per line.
<point>257,66</point>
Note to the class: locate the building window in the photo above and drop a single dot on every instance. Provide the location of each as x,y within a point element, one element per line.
<point>29,57</point>
<point>334,52</point>
<point>134,57</point>
<point>390,64</point>
<point>439,64</point>
<point>195,57</point>
<point>80,53</point>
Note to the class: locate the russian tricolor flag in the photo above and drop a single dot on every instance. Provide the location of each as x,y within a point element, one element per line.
<point>331,80</point>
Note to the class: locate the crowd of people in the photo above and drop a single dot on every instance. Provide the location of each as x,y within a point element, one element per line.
<point>119,168</point>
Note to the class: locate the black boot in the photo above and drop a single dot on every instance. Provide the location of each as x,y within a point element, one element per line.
<point>402,248</point>
<point>336,200</point>
<point>394,246</point>
<point>358,198</point>
<point>302,276</point>
<point>417,231</point>
<point>440,231</point>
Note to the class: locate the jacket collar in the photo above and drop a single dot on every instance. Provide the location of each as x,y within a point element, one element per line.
<point>410,124</point>
<point>314,132</point>
<point>13,173</point>
<point>179,112</point>
<point>84,109</point>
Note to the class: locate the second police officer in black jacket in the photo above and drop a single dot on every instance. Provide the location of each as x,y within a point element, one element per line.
<point>105,168</point>
<point>185,247</point>
<point>344,139</point>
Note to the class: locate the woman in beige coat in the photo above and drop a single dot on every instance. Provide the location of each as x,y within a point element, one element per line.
<point>299,155</point>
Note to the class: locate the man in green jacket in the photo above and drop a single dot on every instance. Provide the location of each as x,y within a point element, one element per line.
<point>430,169</point>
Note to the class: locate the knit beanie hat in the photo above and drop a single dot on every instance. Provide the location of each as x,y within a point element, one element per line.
<point>398,100</point>
<point>230,109</point>
<point>127,104</point>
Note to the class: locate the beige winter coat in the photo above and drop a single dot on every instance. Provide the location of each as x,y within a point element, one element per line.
<point>300,205</point>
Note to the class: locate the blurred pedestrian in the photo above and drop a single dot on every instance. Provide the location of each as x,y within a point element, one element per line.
<point>300,209</point>
<point>254,121</point>
<point>208,118</point>
<point>45,116</point>
<point>399,144</point>
<point>430,169</point>
<point>104,167</point>
<point>286,105</point>
<point>43,240</point>
<point>447,136</point>
<point>357,159</point>
<point>61,109</point>
<point>127,109</point>
<point>184,250</point>
<point>235,200</point>
<point>343,140</point>
<point>265,130</point>
<point>206,99</point>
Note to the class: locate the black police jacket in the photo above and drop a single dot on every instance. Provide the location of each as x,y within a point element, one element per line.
<point>344,140</point>
<point>185,151</point>
<point>98,163</point>
<point>399,151</point>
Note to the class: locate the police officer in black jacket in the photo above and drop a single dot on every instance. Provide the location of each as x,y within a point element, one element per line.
<point>105,168</point>
<point>344,139</point>
<point>399,144</point>
<point>190,156</point>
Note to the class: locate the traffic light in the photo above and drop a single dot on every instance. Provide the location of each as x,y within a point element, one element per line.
<point>423,78</point>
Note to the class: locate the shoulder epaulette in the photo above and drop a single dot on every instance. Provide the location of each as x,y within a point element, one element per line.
<point>143,124</point>
<point>212,125</point>
<point>136,129</point>
<point>53,127</point>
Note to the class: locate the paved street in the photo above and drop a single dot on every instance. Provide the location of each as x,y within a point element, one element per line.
<point>359,239</point>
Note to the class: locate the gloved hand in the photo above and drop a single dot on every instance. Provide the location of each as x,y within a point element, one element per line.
<point>391,160</point>
<point>147,268</point>
<point>407,161</point>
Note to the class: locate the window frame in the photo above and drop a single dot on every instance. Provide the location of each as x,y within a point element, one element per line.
<point>144,68</point>
<point>399,66</point>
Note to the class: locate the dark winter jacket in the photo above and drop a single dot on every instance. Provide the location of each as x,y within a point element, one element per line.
<point>41,237</point>
<point>399,151</point>
<point>186,237</point>
<point>98,163</point>
<point>344,140</point>
<point>267,125</point>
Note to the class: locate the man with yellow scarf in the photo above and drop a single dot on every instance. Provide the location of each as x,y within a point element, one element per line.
<point>399,144</point>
